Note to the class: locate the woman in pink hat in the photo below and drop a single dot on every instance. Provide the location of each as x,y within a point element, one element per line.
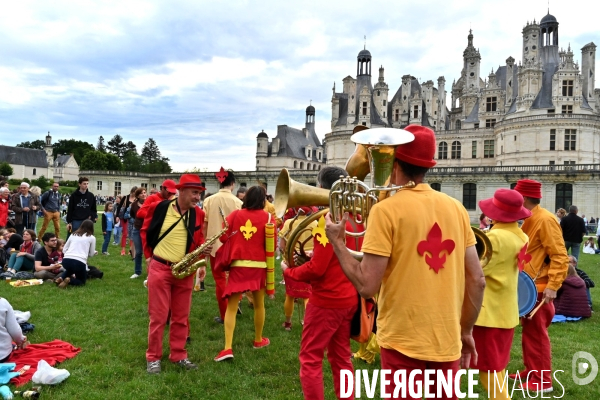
<point>494,329</point>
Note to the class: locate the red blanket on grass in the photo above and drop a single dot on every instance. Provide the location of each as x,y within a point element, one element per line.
<point>53,352</point>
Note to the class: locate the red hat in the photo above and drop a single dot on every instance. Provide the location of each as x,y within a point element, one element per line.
<point>505,206</point>
<point>529,188</point>
<point>420,151</point>
<point>170,185</point>
<point>190,181</point>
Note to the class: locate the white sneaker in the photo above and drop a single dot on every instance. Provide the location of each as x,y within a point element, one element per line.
<point>105,253</point>
<point>146,283</point>
<point>134,276</point>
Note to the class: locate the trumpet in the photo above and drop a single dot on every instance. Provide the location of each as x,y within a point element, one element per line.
<point>194,260</point>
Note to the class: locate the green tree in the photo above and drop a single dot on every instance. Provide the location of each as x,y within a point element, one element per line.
<point>130,146</point>
<point>101,147</point>
<point>42,182</point>
<point>36,144</point>
<point>116,146</point>
<point>158,167</point>
<point>132,161</point>
<point>151,152</point>
<point>68,146</point>
<point>113,163</point>
<point>5,169</point>
<point>94,160</point>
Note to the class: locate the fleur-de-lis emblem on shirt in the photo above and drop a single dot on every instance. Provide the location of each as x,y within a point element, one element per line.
<point>437,249</point>
<point>248,230</point>
<point>319,232</point>
<point>523,258</point>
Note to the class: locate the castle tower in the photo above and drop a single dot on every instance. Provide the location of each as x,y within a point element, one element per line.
<point>381,94</point>
<point>532,42</point>
<point>363,63</point>
<point>262,151</point>
<point>510,92</point>
<point>310,117</point>
<point>48,150</point>
<point>588,71</point>
<point>472,64</point>
<point>441,103</point>
<point>548,31</point>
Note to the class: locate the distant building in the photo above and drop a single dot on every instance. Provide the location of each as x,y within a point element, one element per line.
<point>32,163</point>
<point>291,148</point>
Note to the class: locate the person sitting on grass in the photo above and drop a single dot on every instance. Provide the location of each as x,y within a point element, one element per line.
<point>24,259</point>
<point>80,246</point>
<point>13,240</point>
<point>9,331</point>
<point>589,283</point>
<point>45,265</point>
<point>589,247</point>
<point>571,299</point>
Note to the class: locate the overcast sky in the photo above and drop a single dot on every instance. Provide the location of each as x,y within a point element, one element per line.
<point>204,77</point>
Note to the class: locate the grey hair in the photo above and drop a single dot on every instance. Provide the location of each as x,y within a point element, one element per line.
<point>24,184</point>
<point>4,190</point>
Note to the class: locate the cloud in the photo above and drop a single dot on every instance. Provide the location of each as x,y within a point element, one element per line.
<point>203,78</point>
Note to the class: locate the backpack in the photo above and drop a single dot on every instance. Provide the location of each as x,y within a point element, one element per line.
<point>3,257</point>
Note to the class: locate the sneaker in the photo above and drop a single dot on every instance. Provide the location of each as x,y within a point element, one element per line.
<point>532,387</point>
<point>134,276</point>
<point>188,340</point>
<point>122,252</point>
<point>104,253</point>
<point>224,355</point>
<point>114,243</point>
<point>64,283</point>
<point>263,343</point>
<point>287,326</point>
<point>186,364</point>
<point>521,374</point>
<point>146,283</point>
<point>218,320</point>
<point>202,288</point>
<point>153,367</point>
<point>239,311</point>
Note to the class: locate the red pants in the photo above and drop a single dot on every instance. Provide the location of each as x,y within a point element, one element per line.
<point>220,283</point>
<point>394,360</point>
<point>124,234</point>
<point>536,343</point>
<point>324,328</point>
<point>168,294</point>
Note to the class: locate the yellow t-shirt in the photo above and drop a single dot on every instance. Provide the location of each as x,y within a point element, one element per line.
<point>305,236</point>
<point>172,247</point>
<point>419,309</point>
<point>500,307</point>
<point>228,203</point>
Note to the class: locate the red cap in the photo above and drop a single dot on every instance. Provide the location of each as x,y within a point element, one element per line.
<point>529,188</point>
<point>420,151</point>
<point>170,185</point>
<point>190,181</point>
<point>505,206</point>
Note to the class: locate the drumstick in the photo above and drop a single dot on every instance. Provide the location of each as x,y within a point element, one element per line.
<point>536,309</point>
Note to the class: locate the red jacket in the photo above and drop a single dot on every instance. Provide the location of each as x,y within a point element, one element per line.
<point>4,206</point>
<point>153,198</point>
<point>330,287</point>
<point>252,248</point>
<point>152,216</point>
<point>571,299</point>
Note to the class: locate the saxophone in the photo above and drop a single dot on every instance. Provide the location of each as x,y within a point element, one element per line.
<point>194,260</point>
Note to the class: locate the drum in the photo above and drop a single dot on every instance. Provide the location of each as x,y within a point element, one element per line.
<point>297,289</point>
<point>527,293</point>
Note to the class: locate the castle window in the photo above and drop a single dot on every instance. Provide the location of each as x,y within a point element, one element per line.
<point>458,124</point>
<point>34,171</point>
<point>308,153</point>
<point>474,149</point>
<point>443,151</point>
<point>570,139</point>
<point>144,185</point>
<point>397,114</point>
<point>552,162</point>
<point>364,124</point>
<point>154,186</point>
<point>567,88</point>
<point>301,165</point>
<point>378,93</point>
<point>569,162</point>
<point>470,196</point>
<point>456,150</point>
<point>384,102</point>
<point>436,186</point>
<point>490,123</point>
<point>117,188</point>
<point>295,164</point>
<point>476,125</point>
<point>314,167</point>
<point>99,185</point>
<point>567,109</point>
<point>416,112</point>
<point>552,139</point>
<point>308,166</point>
<point>488,149</point>
<point>384,114</point>
<point>551,111</point>
<point>564,195</point>
<point>364,108</point>
<point>490,104</point>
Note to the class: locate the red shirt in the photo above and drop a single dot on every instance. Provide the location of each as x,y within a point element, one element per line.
<point>330,287</point>
<point>247,243</point>
<point>153,198</point>
<point>4,205</point>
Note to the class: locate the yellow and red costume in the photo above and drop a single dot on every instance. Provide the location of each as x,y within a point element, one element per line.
<point>329,313</point>
<point>248,270</point>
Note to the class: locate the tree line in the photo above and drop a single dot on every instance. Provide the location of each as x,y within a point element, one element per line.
<point>114,155</point>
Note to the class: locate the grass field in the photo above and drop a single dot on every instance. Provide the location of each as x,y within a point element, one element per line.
<point>108,319</point>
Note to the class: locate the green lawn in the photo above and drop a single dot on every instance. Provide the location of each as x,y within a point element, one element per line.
<point>108,319</point>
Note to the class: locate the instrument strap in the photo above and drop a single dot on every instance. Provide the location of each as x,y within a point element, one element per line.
<point>161,237</point>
